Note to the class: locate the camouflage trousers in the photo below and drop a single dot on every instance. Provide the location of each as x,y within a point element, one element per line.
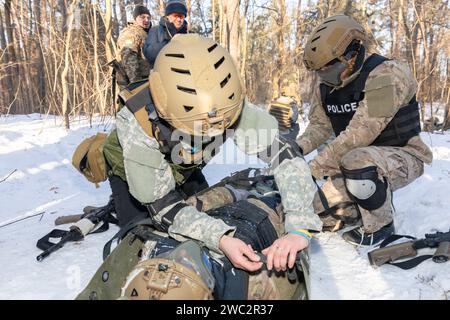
<point>394,164</point>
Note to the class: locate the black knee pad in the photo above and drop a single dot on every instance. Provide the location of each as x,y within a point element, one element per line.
<point>365,188</point>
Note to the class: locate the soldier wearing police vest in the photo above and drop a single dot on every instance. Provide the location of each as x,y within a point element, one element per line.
<point>369,103</point>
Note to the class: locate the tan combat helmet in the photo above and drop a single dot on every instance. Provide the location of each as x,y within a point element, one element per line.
<point>330,39</point>
<point>162,279</point>
<point>196,86</point>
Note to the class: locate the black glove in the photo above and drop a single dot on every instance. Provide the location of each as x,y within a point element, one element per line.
<point>281,149</point>
<point>291,148</point>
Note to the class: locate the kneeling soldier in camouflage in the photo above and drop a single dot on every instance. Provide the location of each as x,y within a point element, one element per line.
<point>195,92</point>
<point>149,264</point>
<point>369,103</point>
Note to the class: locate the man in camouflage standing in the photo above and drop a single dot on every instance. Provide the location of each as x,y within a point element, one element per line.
<point>130,43</point>
<point>369,102</point>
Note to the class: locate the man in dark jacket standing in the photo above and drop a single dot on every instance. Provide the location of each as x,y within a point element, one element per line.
<point>170,25</point>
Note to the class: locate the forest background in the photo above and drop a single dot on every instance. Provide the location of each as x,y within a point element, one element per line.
<point>54,54</point>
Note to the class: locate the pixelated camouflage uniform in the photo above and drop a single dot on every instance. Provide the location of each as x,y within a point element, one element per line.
<point>150,176</point>
<point>352,148</point>
<point>263,285</point>
<point>130,43</point>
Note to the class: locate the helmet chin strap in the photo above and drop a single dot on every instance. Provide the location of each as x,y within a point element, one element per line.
<point>334,79</point>
<point>348,71</point>
<point>355,66</point>
<point>352,77</point>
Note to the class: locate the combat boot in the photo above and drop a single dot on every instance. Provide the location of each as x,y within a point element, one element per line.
<point>360,238</point>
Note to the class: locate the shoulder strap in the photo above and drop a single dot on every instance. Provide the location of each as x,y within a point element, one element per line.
<point>123,232</point>
<point>142,118</point>
<point>369,65</point>
<point>324,91</point>
<point>137,98</point>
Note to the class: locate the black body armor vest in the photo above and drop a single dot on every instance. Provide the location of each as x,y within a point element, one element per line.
<point>341,105</point>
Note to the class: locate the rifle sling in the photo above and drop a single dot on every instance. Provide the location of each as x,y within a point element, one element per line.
<point>411,263</point>
<point>331,211</point>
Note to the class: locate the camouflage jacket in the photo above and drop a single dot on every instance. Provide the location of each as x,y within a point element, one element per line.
<point>130,43</point>
<point>370,119</point>
<point>150,177</point>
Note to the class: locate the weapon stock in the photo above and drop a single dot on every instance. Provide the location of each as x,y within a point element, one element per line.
<point>388,254</point>
<point>49,247</point>
<point>68,219</point>
<point>384,255</point>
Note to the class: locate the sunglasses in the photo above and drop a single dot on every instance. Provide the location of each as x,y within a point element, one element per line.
<point>178,16</point>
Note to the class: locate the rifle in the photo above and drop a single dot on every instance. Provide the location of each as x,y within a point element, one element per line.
<point>119,77</point>
<point>388,254</point>
<point>88,210</point>
<point>50,247</point>
<point>95,221</point>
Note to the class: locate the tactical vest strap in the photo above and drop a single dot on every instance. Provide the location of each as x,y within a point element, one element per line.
<point>403,126</point>
<point>142,118</point>
<point>242,180</point>
<point>371,63</point>
<point>358,84</point>
<point>136,97</point>
<point>123,232</point>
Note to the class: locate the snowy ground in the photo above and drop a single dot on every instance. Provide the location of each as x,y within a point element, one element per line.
<point>38,154</point>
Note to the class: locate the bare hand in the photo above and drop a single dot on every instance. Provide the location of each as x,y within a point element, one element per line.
<point>240,254</point>
<point>283,249</point>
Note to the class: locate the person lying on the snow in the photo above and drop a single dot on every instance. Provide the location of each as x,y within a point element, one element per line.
<point>149,264</point>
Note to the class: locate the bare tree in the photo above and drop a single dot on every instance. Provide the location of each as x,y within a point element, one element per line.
<point>48,66</point>
<point>12,68</point>
<point>123,13</point>
<point>64,75</point>
<point>231,27</point>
